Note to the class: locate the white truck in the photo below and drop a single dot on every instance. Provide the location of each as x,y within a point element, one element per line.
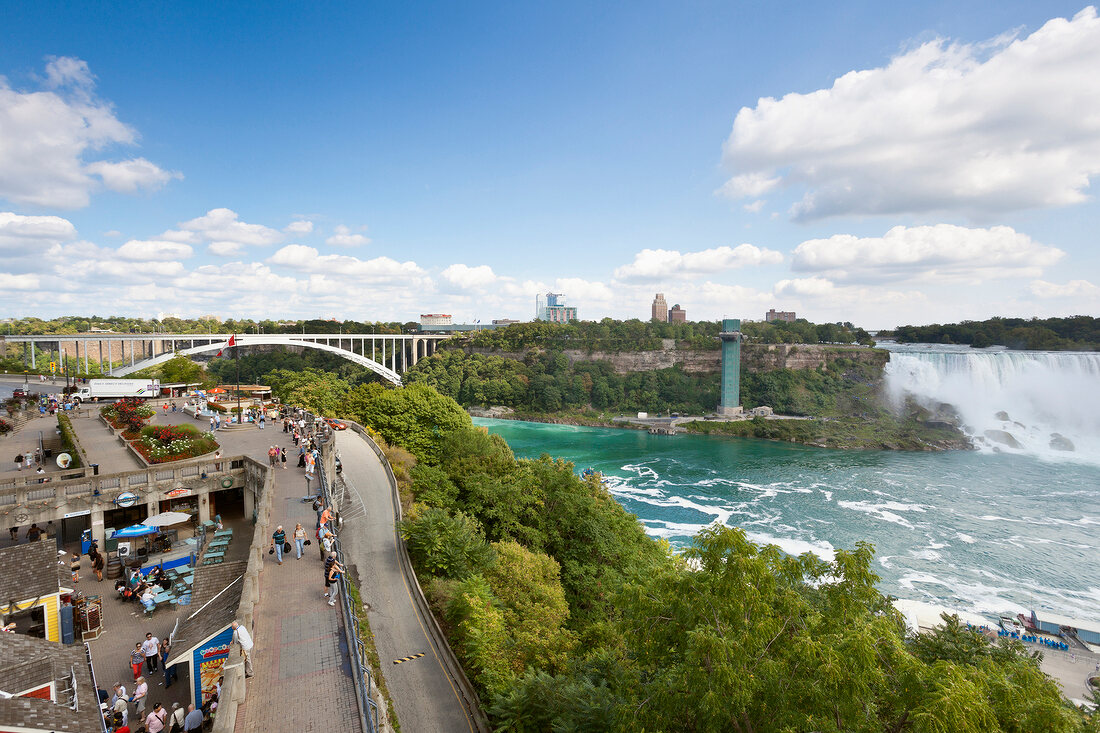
<point>113,389</point>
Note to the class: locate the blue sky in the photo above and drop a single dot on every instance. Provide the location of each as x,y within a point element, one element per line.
<point>918,163</point>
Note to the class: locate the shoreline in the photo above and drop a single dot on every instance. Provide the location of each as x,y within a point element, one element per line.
<point>814,432</point>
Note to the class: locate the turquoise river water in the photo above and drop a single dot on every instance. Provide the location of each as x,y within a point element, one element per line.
<point>986,532</point>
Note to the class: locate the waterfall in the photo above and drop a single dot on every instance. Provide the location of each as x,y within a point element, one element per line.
<point>1036,402</point>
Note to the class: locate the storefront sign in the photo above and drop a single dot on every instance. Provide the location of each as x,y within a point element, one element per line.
<point>81,513</point>
<point>208,660</point>
<point>181,491</point>
<point>126,499</point>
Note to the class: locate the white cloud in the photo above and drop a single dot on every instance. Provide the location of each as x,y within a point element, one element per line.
<point>301,226</point>
<point>129,176</point>
<point>977,129</point>
<point>112,233</point>
<point>227,234</point>
<point>144,250</point>
<point>1072,289</point>
<point>46,135</point>
<point>378,270</point>
<point>926,252</point>
<point>468,277</point>
<point>18,282</point>
<point>755,206</point>
<point>344,238</point>
<point>25,233</point>
<point>656,264</point>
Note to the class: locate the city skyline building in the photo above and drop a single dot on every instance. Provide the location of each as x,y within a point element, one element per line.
<point>784,316</point>
<point>677,314</point>
<point>551,307</point>
<point>659,309</point>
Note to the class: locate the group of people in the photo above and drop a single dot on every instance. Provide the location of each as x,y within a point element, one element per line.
<point>29,460</point>
<point>143,588</point>
<point>97,560</point>
<point>154,654</point>
<point>276,455</point>
<point>326,539</point>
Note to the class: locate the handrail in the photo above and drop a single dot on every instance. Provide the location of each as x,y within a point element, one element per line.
<point>453,667</point>
<point>368,710</point>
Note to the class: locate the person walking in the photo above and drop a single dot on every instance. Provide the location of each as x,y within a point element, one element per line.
<point>277,540</point>
<point>154,722</point>
<point>333,569</point>
<point>97,566</point>
<point>301,456</point>
<point>271,456</point>
<point>175,718</point>
<point>192,722</point>
<point>150,648</point>
<point>263,419</point>
<point>137,656</point>
<point>121,708</point>
<point>244,640</point>
<point>299,538</point>
<point>169,670</point>
<point>141,694</point>
<point>282,457</point>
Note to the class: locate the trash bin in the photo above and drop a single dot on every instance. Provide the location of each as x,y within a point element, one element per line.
<point>47,452</point>
<point>95,469</point>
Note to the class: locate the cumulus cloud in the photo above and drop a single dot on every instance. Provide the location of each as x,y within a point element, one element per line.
<point>468,277</point>
<point>226,233</point>
<point>1071,289</point>
<point>656,264</point>
<point>130,176</point>
<point>46,135</point>
<point>977,129</point>
<point>344,238</point>
<point>926,252</point>
<point>10,282</point>
<point>25,234</point>
<point>141,250</point>
<point>378,270</point>
<point>301,226</point>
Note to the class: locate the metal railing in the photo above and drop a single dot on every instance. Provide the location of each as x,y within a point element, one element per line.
<point>364,680</point>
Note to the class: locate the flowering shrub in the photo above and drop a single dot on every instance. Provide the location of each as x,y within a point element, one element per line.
<point>128,414</point>
<point>5,427</point>
<point>163,443</point>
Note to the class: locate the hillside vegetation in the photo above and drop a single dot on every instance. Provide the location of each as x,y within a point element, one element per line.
<point>1080,333</point>
<point>567,617</point>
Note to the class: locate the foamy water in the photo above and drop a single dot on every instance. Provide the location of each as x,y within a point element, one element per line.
<point>983,532</point>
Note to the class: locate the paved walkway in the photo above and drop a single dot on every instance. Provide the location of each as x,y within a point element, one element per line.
<point>423,693</point>
<point>103,448</point>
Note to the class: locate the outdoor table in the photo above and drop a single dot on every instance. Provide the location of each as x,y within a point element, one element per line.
<point>217,544</point>
<point>189,579</point>
<point>224,533</point>
<point>163,597</point>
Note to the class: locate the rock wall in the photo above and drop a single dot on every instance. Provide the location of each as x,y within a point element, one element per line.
<point>754,357</point>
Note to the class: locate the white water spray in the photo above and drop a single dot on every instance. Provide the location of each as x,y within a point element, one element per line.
<point>1040,403</point>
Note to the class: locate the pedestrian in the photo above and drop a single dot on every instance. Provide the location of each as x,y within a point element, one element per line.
<point>34,532</point>
<point>244,640</point>
<point>121,708</point>
<point>282,457</point>
<point>271,454</point>
<point>137,656</point>
<point>97,566</point>
<point>299,539</point>
<point>175,718</point>
<point>156,719</point>
<point>169,670</point>
<point>213,425</point>
<point>192,722</point>
<point>117,691</point>
<point>141,693</point>
<point>301,456</point>
<point>333,568</point>
<point>74,567</point>
<point>263,417</point>
<point>19,461</point>
<point>14,532</point>
<point>277,540</point>
<point>151,649</point>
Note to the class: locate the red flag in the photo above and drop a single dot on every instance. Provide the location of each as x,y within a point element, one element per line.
<point>231,342</point>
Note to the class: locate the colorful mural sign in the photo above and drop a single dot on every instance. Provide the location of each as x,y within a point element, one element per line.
<point>209,658</point>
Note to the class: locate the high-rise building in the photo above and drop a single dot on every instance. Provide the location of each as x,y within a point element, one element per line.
<point>660,309</point>
<point>551,307</point>
<point>677,314</point>
<point>774,315</point>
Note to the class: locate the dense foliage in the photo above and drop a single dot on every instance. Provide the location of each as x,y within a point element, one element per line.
<point>1053,334</point>
<point>125,324</point>
<point>567,617</point>
<point>546,382</point>
<point>634,335</point>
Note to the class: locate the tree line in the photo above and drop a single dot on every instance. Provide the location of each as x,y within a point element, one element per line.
<point>1076,333</point>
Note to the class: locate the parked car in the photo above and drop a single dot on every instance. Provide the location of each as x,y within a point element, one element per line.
<point>19,393</point>
<point>336,424</point>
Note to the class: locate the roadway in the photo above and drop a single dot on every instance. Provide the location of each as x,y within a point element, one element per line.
<point>425,697</point>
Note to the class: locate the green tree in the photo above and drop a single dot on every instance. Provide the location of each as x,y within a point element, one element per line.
<point>415,417</point>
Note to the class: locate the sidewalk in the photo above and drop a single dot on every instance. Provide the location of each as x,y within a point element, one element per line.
<point>103,448</point>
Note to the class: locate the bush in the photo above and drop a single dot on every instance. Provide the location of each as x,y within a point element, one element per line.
<point>164,443</point>
<point>479,635</point>
<point>446,545</point>
<point>68,438</point>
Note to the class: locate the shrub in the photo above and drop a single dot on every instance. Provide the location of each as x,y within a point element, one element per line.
<point>446,545</point>
<point>163,443</point>
<point>68,438</point>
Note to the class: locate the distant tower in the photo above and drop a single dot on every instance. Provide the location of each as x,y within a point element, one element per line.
<point>676,314</point>
<point>731,367</point>
<point>660,308</point>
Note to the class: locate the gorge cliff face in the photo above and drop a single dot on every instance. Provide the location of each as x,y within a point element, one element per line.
<point>754,357</point>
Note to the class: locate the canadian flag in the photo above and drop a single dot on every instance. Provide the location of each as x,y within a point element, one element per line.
<point>231,342</point>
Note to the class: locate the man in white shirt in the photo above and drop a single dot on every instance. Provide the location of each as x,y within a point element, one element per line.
<point>244,639</point>
<point>175,720</point>
<point>151,647</point>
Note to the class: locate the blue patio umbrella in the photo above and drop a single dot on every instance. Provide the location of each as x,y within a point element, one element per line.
<point>136,530</point>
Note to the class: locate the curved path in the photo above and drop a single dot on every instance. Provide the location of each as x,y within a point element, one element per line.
<point>425,696</point>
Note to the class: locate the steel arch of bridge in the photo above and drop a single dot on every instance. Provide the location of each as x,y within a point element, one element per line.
<point>267,340</point>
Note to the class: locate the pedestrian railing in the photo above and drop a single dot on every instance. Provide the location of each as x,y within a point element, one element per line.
<point>364,680</point>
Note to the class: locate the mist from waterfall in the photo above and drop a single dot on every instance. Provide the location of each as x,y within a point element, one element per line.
<point>1039,403</point>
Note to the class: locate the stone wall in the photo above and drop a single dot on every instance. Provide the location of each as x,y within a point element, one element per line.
<point>754,357</point>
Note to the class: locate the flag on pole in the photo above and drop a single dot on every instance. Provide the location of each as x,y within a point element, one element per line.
<point>231,342</point>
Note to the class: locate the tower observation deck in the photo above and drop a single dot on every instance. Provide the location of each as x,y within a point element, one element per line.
<point>731,367</point>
